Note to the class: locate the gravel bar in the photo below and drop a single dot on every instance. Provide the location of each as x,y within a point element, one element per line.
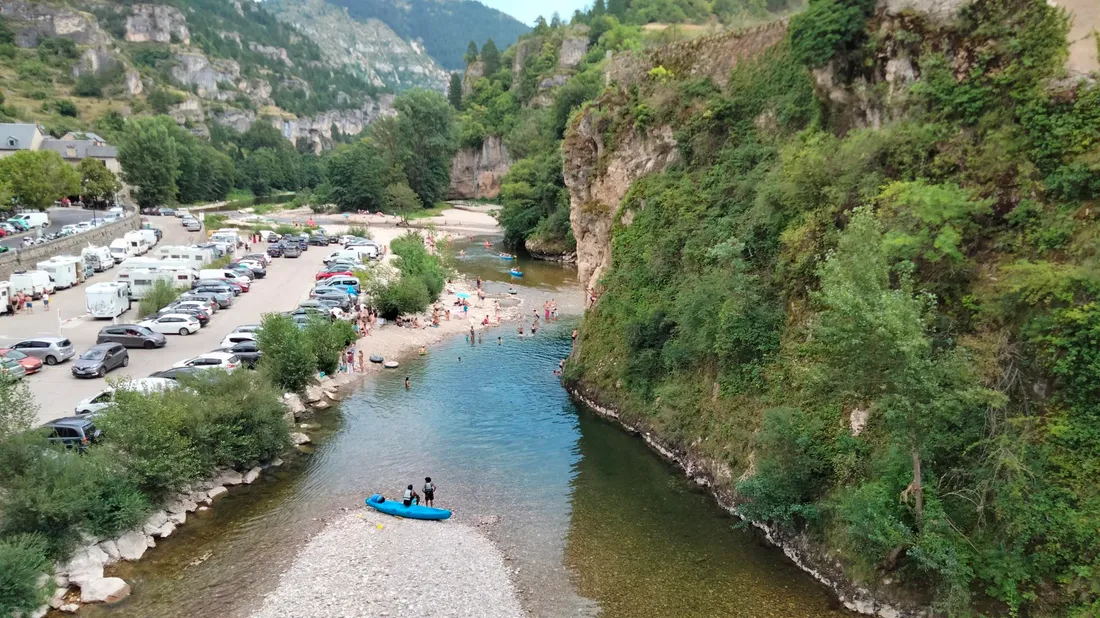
<point>370,564</point>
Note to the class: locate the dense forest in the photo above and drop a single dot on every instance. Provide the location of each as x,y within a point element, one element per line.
<point>886,335</point>
<point>443,26</point>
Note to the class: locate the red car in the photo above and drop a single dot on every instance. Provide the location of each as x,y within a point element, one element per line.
<point>325,274</point>
<point>29,363</point>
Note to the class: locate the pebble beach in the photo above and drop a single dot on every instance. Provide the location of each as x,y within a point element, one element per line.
<point>366,563</point>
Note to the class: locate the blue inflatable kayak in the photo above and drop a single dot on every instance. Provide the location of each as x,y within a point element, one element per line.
<point>395,508</point>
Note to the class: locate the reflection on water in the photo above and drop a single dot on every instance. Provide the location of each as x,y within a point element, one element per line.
<point>588,515</point>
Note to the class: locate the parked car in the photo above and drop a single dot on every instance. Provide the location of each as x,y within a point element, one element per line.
<point>30,364</point>
<point>332,271</point>
<point>262,258</point>
<point>99,359</point>
<point>77,432</point>
<point>12,369</point>
<point>183,213</point>
<point>167,212</point>
<point>173,324</point>
<point>234,338</point>
<point>303,242</point>
<point>176,372</point>
<point>291,251</point>
<point>319,240</point>
<point>222,298</point>
<point>51,350</point>
<point>212,360</point>
<point>247,328</point>
<point>104,398</point>
<point>275,250</point>
<point>269,236</point>
<point>208,305</point>
<point>196,312</point>
<point>249,269</point>
<point>131,336</point>
<point>192,225</point>
<point>247,351</point>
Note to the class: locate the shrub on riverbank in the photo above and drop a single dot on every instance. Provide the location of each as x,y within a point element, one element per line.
<point>288,361</point>
<point>22,559</point>
<point>327,341</point>
<point>422,276</point>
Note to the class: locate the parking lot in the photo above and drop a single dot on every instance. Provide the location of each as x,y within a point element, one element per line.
<point>57,392</point>
<point>59,218</point>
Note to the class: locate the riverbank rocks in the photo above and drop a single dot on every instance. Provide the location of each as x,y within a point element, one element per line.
<point>155,522</point>
<point>251,476</point>
<point>69,608</point>
<point>229,477</point>
<point>294,403</point>
<point>299,438</point>
<point>166,530</point>
<point>111,549</point>
<point>86,566</point>
<point>104,590</point>
<point>58,598</point>
<point>322,405</point>
<point>275,463</point>
<point>314,394</point>
<point>216,493</point>
<point>132,545</point>
<point>183,504</point>
<point>177,519</point>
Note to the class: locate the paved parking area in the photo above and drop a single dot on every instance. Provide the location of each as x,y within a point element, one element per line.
<point>57,392</point>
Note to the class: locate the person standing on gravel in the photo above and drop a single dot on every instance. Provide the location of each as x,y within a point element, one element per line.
<point>429,491</point>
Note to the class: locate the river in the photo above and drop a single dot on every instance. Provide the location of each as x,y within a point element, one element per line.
<point>592,520</point>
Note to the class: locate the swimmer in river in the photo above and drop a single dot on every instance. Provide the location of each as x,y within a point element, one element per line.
<point>423,350</point>
<point>520,330</point>
<point>407,384</point>
<point>500,340</point>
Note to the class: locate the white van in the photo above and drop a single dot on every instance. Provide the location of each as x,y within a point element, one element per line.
<point>5,297</point>
<point>32,283</point>
<point>194,256</point>
<point>143,280</point>
<point>99,258</point>
<point>117,211</point>
<point>120,250</point>
<point>218,273</point>
<point>150,236</point>
<point>106,397</point>
<point>63,273</point>
<point>108,299</point>
<point>32,219</point>
<point>138,242</point>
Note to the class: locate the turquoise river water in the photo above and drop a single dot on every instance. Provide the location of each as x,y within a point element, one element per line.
<point>593,520</point>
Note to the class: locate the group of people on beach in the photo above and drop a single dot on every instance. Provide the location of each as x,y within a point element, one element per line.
<point>410,497</point>
<point>24,303</point>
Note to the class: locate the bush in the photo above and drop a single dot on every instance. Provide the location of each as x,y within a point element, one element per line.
<point>288,361</point>
<point>358,231</point>
<point>406,295</point>
<point>326,343</point>
<point>827,27</point>
<point>18,410</point>
<point>162,295</point>
<point>22,561</point>
<point>66,107</point>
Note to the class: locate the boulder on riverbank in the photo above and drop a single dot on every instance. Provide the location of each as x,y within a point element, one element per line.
<point>85,566</point>
<point>299,438</point>
<point>359,566</point>
<point>104,590</point>
<point>132,545</point>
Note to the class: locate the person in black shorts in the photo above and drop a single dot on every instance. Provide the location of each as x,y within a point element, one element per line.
<point>429,491</point>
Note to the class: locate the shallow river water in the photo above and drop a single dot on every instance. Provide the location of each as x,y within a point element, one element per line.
<point>593,521</point>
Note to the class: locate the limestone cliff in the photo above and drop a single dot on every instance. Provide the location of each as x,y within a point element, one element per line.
<point>476,173</point>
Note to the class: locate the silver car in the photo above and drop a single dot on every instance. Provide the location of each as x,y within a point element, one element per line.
<point>50,350</point>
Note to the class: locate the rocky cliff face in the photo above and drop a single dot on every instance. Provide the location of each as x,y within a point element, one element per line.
<point>36,20</point>
<point>369,47</point>
<point>315,130</point>
<point>477,172</point>
<point>157,23</point>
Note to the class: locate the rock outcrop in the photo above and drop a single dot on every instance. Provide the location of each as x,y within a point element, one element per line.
<point>275,53</point>
<point>474,72</point>
<point>94,61</point>
<point>33,21</point>
<point>195,69</point>
<point>573,49</point>
<point>477,173</point>
<point>158,23</point>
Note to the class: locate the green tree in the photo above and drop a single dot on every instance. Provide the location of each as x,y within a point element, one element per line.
<point>150,160</point>
<point>97,183</point>
<point>401,200</point>
<point>288,361</point>
<point>454,91</point>
<point>39,178</point>
<point>471,53</point>
<point>263,135</point>
<point>18,409</point>
<point>428,140</point>
<point>357,177</point>
<point>618,8</point>
<point>490,55</point>
<point>22,561</point>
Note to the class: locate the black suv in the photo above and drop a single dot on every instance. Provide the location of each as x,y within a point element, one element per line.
<point>74,432</point>
<point>275,250</point>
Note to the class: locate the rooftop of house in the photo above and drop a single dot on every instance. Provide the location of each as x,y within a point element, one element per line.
<point>18,136</point>
<point>80,149</point>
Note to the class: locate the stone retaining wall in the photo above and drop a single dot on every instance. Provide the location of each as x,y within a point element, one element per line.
<point>26,259</point>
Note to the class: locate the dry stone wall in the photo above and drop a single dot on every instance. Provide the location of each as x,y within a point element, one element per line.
<point>25,259</point>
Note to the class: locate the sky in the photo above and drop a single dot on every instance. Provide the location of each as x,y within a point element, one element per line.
<point>527,10</point>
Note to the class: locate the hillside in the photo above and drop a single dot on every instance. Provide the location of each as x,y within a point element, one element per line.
<point>443,27</point>
<point>367,47</point>
<point>204,62</point>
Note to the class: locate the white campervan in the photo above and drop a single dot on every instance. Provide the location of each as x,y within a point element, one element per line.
<point>108,299</point>
<point>5,297</point>
<point>143,280</point>
<point>139,244</point>
<point>150,236</point>
<point>120,250</point>
<point>78,263</point>
<point>32,283</point>
<point>63,273</point>
<point>32,219</point>
<point>99,258</point>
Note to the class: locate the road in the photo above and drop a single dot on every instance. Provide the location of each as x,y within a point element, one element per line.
<point>55,389</point>
<point>58,217</point>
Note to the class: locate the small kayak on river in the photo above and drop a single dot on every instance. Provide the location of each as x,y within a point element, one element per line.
<point>397,509</point>
<point>515,272</point>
